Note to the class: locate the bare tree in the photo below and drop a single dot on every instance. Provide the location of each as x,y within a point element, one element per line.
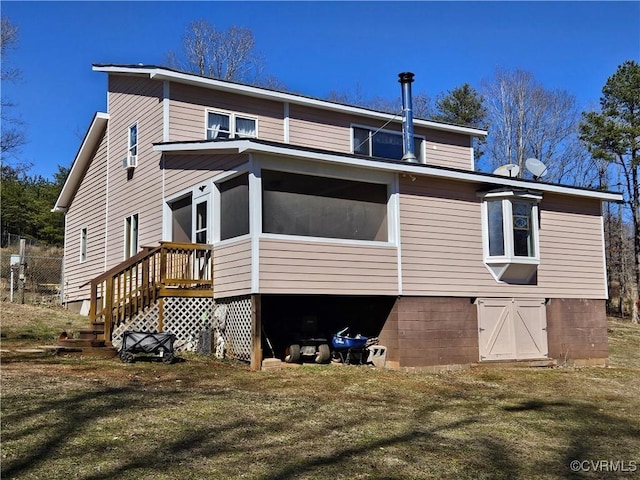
<point>13,136</point>
<point>225,54</point>
<point>421,102</point>
<point>527,120</point>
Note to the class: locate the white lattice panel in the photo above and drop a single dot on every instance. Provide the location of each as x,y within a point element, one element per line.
<point>187,318</point>
<point>237,331</point>
<point>145,321</point>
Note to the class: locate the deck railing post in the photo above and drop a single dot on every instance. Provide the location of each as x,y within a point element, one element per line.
<point>108,309</point>
<point>163,265</point>
<point>93,306</point>
<point>145,283</point>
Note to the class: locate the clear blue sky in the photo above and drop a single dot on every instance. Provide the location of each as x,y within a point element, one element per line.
<point>313,47</point>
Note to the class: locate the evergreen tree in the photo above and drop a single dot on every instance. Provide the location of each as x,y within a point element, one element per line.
<point>463,105</point>
<point>613,135</point>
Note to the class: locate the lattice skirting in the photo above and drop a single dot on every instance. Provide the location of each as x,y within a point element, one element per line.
<point>233,321</point>
<point>145,321</point>
<point>196,322</point>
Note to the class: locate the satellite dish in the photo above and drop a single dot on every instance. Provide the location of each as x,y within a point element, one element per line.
<point>508,170</point>
<point>536,167</point>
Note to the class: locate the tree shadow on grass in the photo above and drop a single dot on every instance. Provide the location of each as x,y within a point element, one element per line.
<point>291,437</point>
<point>589,432</point>
<point>72,414</point>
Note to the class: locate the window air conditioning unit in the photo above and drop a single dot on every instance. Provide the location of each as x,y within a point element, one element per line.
<point>130,162</point>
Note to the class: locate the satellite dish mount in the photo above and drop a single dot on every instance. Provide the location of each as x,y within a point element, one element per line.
<point>536,168</point>
<point>508,170</point>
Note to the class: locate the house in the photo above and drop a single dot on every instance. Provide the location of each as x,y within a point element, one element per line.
<point>196,203</point>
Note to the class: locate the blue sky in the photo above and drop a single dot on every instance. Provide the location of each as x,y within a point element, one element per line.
<point>312,47</point>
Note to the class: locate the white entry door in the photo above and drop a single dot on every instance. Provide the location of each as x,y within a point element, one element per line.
<point>512,329</point>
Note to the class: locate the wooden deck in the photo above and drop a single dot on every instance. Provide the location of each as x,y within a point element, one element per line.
<point>168,270</point>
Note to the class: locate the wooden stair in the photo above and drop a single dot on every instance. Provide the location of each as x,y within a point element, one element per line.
<point>90,343</point>
<point>119,294</point>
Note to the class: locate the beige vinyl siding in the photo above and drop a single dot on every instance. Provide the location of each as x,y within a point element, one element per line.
<point>87,211</point>
<point>332,131</point>
<point>132,99</point>
<point>321,129</point>
<point>232,269</point>
<point>185,171</point>
<point>446,149</point>
<point>571,249</point>
<point>306,267</point>
<point>441,234</point>
<point>188,106</point>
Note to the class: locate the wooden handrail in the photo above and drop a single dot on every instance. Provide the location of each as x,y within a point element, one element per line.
<point>128,288</point>
<point>144,253</point>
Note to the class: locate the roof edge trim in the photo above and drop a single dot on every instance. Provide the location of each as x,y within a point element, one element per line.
<point>161,73</point>
<point>83,157</point>
<point>248,146</point>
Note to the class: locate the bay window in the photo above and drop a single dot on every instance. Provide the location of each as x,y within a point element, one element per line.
<point>510,235</point>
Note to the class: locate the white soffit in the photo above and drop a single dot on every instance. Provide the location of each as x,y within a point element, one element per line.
<point>248,146</point>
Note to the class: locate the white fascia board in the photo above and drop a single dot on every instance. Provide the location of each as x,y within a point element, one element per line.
<point>257,92</point>
<point>213,147</point>
<point>83,157</point>
<point>247,146</point>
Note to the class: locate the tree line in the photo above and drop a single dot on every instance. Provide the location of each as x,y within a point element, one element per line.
<point>598,149</point>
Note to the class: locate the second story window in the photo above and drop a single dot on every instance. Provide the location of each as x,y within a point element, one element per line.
<point>218,126</point>
<point>382,143</point>
<point>227,125</point>
<point>133,140</point>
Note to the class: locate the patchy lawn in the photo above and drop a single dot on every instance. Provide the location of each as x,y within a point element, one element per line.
<point>69,417</point>
<point>28,325</point>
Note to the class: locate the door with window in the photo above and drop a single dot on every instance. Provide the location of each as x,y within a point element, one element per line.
<point>512,329</point>
<point>190,219</point>
<point>190,223</point>
<point>201,235</point>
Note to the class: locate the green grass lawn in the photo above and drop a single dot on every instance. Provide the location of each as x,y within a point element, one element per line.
<point>89,418</point>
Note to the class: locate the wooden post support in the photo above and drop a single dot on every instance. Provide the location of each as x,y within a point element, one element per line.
<point>161,314</point>
<point>256,333</point>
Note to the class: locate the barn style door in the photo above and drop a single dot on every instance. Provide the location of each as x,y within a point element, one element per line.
<point>512,329</point>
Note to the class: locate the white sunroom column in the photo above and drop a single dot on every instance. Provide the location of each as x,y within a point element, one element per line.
<point>255,220</point>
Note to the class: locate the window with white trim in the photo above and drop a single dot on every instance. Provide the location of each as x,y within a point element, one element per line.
<point>83,245</point>
<point>133,140</point>
<point>382,143</point>
<point>222,125</point>
<point>130,236</point>
<point>510,235</point>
